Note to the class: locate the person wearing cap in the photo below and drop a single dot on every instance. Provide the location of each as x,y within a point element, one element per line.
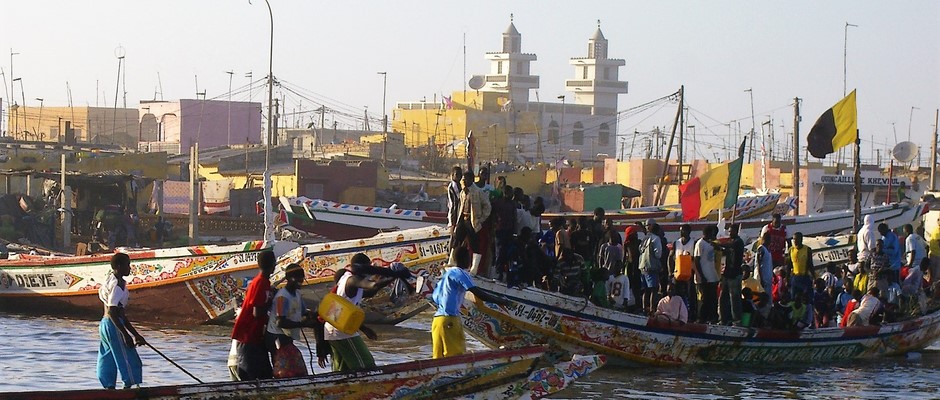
<point>447,336</point>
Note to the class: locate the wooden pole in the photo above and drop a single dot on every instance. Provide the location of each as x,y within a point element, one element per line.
<point>675,124</point>
<point>67,207</point>
<point>857,221</point>
<point>194,195</point>
<point>796,153</point>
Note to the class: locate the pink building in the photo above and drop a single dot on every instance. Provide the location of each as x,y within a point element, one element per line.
<point>174,126</point>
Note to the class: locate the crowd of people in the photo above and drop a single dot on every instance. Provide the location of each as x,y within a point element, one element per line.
<point>704,280</point>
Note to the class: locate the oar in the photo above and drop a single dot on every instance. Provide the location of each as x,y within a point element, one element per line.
<point>174,363</point>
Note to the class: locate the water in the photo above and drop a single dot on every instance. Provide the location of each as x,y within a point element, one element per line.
<point>49,353</point>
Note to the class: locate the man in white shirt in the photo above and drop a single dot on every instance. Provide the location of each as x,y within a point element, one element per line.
<point>866,238</point>
<point>914,246</point>
<point>870,304</point>
<point>706,276</point>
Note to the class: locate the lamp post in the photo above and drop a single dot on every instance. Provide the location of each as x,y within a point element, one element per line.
<point>268,211</point>
<point>384,116</point>
<point>39,121</point>
<point>228,141</point>
<point>561,130</point>
<point>845,55</point>
<point>12,93</point>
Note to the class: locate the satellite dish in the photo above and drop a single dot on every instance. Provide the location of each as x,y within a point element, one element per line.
<point>905,152</point>
<point>476,82</point>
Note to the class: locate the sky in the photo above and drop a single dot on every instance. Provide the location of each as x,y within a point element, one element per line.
<point>330,52</point>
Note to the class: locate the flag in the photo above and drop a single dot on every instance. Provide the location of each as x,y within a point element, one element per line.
<point>837,127</point>
<point>715,189</point>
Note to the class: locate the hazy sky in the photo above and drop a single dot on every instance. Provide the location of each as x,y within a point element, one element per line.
<point>329,52</point>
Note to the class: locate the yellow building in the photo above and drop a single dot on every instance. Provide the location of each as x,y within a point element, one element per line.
<point>507,126</point>
<point>94,125</point>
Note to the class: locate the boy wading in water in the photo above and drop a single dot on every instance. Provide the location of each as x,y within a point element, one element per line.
<point>117,352</point>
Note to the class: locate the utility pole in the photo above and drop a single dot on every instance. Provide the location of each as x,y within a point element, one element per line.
<point>228,140</point>
<point>194,194</point>
<point>67,209</point>
<point>796,153</point>
<point>384,117</point>
<point>933,153</point>
<point>750,151</point>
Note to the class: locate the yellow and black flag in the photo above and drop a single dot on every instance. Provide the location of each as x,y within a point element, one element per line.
<point>837,127</point>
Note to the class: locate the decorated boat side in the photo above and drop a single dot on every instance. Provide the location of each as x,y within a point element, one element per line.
<point>340,221</point>
<point>506,374</point>
<point>577,326</point>
<point>821,224</point>
<point>422,250</point>
<point>184,285</point>
<point>748,206</point>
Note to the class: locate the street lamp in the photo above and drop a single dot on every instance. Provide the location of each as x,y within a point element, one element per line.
<point>268,211</point>
<point>39,121</point>
<point>23,94</point>
<point>228,141</point>
<point>384,115</point>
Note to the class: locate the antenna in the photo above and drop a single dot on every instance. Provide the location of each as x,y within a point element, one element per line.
<point>160,85</point>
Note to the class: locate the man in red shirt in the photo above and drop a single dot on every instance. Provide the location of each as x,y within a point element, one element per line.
<point>249,359</point>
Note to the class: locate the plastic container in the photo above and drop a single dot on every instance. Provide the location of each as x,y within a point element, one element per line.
<point>341,313</point>
<point>683,270</point>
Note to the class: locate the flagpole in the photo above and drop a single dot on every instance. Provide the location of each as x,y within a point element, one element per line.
<point>856,221</point>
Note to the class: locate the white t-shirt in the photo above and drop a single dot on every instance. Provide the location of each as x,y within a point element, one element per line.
<point>619,289</point>
<point>113,295</point>
<point>329,331</point>
<point>867,307</point>
<point>681,249</point>
<point>286,305</point>
<point>706,253</point>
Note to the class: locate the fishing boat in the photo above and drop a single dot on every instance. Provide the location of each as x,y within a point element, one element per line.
<point>820,224</point>
<point>183,285</point>
<point>340,221</point>
<point>505,374</point>
<point>575,325</point>
<point>422,250</point>
<point>748,206</point>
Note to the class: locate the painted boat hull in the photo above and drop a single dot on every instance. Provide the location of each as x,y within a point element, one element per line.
<point>751,206</point>
<point>453,377</point>
<point>822,224</point>
<point>575,325</point>
<point>186,285</point>
<point>340,221</point>
<point>422,250</point>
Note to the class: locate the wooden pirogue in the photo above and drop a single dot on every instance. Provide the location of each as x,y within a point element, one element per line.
<point>578,326</point>
<point>503,374</point>
<point>183,285</point>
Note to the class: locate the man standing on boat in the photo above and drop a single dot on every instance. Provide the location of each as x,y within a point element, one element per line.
<point>681,268</point>
<point>117,352</point>
<point>706,277</point>
<point>473,211</point>
<point>892,247</point>
<point>765,265</point>
<point>453,199</point>
<point>447,337</point>
<point>251,360</point>
<point>650,268</point>
<point>801,267</point>
<point>729,305</point>
<point>778,240</point>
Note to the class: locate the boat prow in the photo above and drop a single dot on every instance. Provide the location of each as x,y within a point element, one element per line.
<point>575,325</point>
<point>503,374</point>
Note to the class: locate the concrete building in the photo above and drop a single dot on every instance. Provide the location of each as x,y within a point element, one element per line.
<point>174,126</point>
<point>92,125</point>
<point>507,125</point>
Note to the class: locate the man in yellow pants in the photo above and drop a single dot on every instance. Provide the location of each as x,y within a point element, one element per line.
<point>447,336</point>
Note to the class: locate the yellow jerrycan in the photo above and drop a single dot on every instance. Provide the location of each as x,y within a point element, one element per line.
<point>341,313</point>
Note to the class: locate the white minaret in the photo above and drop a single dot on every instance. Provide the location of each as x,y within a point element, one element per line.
<point>595,81</point>
<point>510,69</point>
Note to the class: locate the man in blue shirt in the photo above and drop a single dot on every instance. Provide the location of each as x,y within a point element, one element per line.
<point>447,336</point>
<point>892,248</point>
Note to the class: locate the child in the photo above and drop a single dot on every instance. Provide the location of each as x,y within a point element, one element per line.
<point>843,299</point>
<point>569,273</point>
<point>851,306</point>
<point>822,303</point>
<point>780,286</point>
<point>618,287</point>
<point>599,292</point>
